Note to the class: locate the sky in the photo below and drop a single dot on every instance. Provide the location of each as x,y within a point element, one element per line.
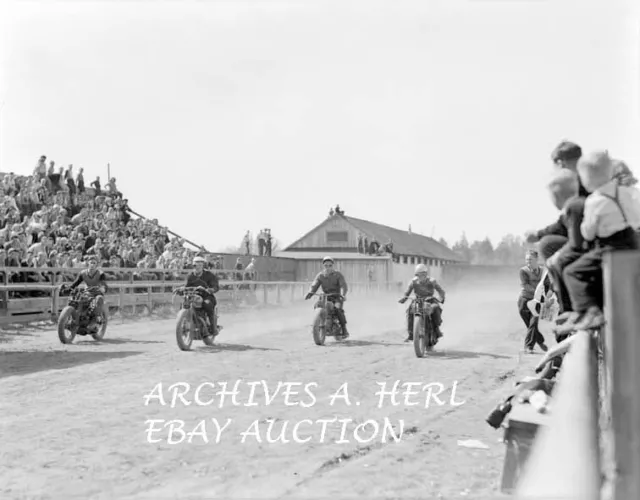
<point>220,117</point>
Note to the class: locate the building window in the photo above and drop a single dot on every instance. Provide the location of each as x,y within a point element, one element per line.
<point>413,260</point>
<point>405,259</point>
<point>337,236</point>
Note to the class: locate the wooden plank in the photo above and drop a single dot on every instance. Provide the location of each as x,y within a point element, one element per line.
<point>622,361</point>
<point>565,458</point>
<point>24,305</point>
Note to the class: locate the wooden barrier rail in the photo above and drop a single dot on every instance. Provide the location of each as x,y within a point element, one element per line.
<point>591,448</point>
<point>130,271</point>
<point>564,461</point>
<point>121,295</point>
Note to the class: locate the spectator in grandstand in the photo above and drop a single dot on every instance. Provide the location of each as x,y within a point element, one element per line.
<point>80,181</point>
<point>96,186</point>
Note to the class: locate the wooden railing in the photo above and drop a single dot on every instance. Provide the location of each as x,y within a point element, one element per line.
<point>123,295</point>
<point>591,447</point>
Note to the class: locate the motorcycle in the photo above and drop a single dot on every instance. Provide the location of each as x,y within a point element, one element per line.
<point>78,318</point>
<point>424,332</point>
<point>192,322</point>
<point>325,323</point>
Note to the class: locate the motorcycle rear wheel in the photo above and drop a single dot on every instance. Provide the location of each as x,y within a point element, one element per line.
<point>104,315</point>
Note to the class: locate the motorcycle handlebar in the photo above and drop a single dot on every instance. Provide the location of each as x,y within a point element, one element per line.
<point>329,295</point>
<point>434,299</point>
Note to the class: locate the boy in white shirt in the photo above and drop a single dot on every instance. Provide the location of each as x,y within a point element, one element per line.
<point>610,223</point>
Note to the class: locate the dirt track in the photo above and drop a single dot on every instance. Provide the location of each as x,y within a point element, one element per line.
<point>73,417</point>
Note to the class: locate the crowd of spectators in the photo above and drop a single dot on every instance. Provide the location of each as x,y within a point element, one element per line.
<point>50,220</point>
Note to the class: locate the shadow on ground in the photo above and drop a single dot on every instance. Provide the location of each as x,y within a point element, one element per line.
<point>118,341</point>
<point>14,363</point>
<point>360,343</point>
<point>230,347</point>
<point>454,354</point>
<point>8,337</point>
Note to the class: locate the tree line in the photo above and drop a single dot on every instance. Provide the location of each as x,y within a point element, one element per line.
<point>509,251</point>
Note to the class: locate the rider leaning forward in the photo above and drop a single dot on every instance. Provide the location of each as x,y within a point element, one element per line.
<point>208,282</point>
<point>424,287</point>
<point>92,277</point>
<point>332,281</point>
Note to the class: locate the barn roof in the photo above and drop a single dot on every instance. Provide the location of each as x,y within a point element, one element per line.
<point>404,242</point>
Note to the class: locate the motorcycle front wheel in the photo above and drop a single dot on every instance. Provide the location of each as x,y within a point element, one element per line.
<point>66,323</point>
<point>419,340</point>
<point>319,328</point>
<point>184,335</point>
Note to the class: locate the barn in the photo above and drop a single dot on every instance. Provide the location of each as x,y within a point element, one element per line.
<point>339,236</point>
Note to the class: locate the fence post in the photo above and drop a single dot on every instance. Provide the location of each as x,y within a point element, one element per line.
<point>622,361</point>
<point>265,293</point>
<point>55,301</point>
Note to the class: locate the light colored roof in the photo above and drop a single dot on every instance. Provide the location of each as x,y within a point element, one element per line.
<point>304,255</point>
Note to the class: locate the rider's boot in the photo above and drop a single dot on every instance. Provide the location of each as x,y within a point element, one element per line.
<point>438,334</point>
<point>409,337</point>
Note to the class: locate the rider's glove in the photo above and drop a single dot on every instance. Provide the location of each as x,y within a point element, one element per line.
<point>402,300</point>
<point>308,296</point>
<point>201,289</point>
<point>442,300</point>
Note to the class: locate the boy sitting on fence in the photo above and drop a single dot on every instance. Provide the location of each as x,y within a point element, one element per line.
<point>611,219</point>
<point>564,190</point>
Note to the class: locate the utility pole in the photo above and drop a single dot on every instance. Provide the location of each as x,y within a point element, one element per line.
<point>108,172</point>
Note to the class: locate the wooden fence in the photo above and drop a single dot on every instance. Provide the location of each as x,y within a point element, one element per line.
<point>44,303</point>
<point>590,448</point>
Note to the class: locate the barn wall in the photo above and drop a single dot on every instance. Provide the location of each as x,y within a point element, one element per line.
<point>405,272</point>
<point>354,270</point>
<point>320,238</point>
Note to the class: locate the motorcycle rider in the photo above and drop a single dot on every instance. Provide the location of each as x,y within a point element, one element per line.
<point>209,285</point>
<point>423,286</point>
<point>92,277</point>
<point>332,281</point>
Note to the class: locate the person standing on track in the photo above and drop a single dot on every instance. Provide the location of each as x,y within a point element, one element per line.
<point>530,276</point>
